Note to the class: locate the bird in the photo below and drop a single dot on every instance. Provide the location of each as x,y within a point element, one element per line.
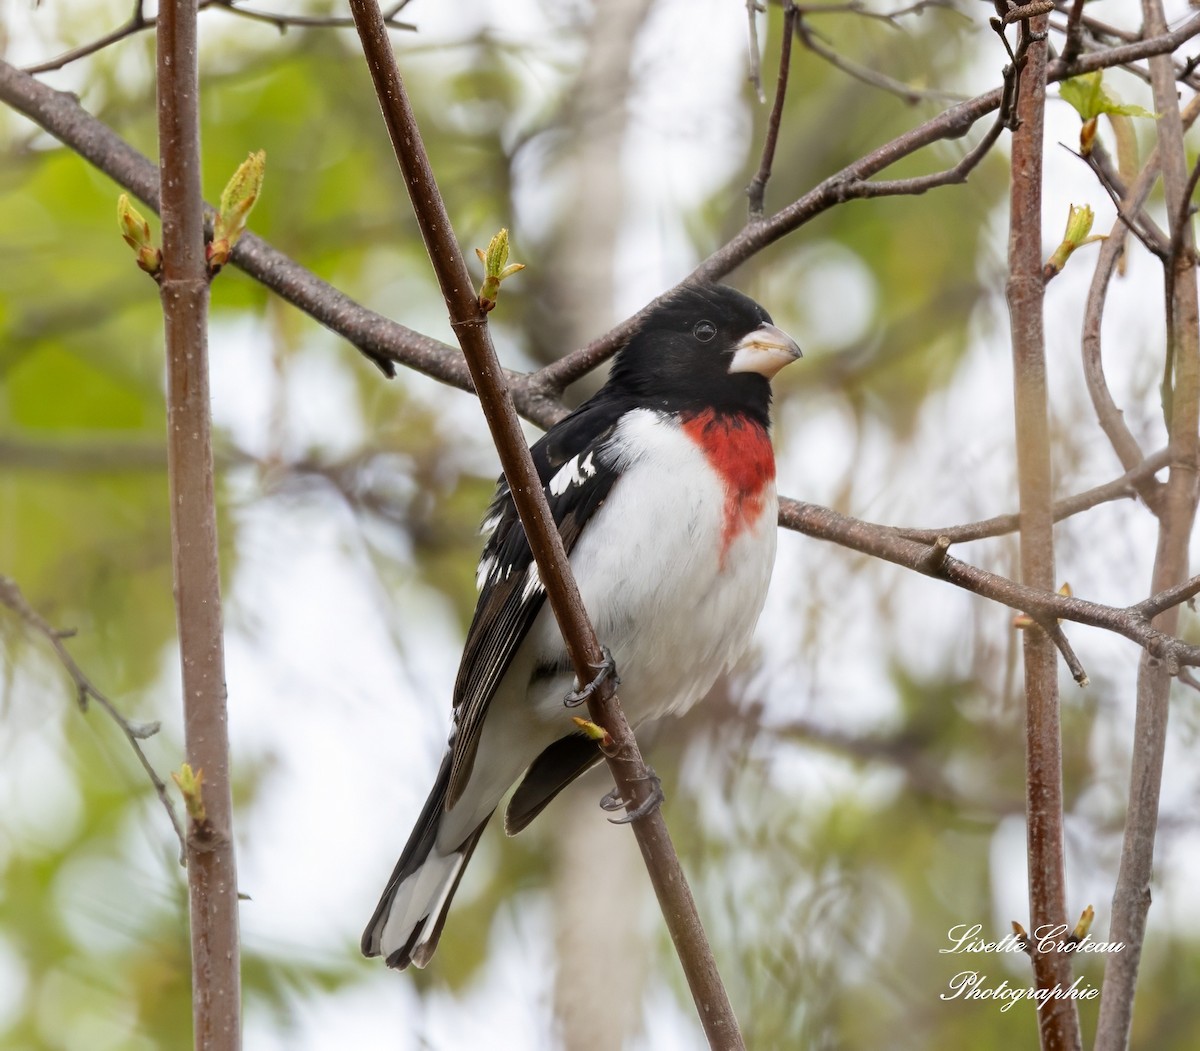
<point>662,486</point>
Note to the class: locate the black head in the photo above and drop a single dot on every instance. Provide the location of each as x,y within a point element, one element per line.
<point>704,347</point>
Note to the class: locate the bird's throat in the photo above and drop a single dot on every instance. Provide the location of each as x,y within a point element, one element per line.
<point>739,450</point>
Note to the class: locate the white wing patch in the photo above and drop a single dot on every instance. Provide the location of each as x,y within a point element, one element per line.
<point>574,472</point>
<point>490,523</point>
<point>533,583</point>
<point>483,572</point>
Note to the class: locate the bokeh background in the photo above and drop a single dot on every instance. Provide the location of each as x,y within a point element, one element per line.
<point>848,795</point>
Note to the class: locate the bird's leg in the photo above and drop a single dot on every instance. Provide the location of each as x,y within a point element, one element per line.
<point>603,670</point>
<point>613,801</point>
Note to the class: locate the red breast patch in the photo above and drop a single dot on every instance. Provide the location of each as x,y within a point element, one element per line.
<point>739,450</point>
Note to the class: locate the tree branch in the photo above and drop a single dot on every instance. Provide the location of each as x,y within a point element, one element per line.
<point>1111,419</point>
<point>1058,1019</point>
<point>139,21</point>
<point>1181,404</point>
<point>809,37</point>
<point>212,869</point>
<point>758,185</point>
<point>1128,485</point>
<point>470,325</point>
<point>85,690</point>
<point>537,394</point>
<point>823,523</point>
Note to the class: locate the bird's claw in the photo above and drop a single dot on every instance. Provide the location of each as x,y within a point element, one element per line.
<point>607,667</point>
<point>613,801</point>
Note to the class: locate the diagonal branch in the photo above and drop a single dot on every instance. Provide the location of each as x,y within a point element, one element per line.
<point>758,185</point>
<point>1128,485</point>
<point>470,325</point>
<point>811,39</point>
<point>931,560</point>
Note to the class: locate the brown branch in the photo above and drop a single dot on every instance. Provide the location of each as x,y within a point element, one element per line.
<point>1118,489</point>
<point>139,21</point>
<point>810,38</point>
<point>382,340</point>
<point>1130,208</point>
<point>1058,1020</point>
<point>958,173</point>
<point>1172,596</point>
<point>851,183</point>
<point>823,523</point>
<point>470,325</point>
<point>891,18</point>
<point>212,869</point>
<point>755,75</point>
<point>1111,419</point>
<point>536,395</point>
<point>757,189</point>
<point>1131,898</point>
<point>86,690</point>
<point>1074,41</point>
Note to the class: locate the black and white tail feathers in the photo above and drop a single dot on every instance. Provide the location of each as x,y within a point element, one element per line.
<point>409,917</point>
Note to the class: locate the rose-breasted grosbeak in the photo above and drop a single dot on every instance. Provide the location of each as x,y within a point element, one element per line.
<point>663,488</point>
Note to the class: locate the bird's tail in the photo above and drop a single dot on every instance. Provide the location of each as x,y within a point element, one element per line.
<point>409,917</point>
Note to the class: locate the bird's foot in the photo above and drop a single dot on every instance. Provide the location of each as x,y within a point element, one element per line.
<point>606,668</point>
<point>613,801</point>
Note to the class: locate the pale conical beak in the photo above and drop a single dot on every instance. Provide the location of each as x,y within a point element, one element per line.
<point>765,350</point>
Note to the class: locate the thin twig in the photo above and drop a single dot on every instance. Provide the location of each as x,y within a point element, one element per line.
<point>811,39</point>
<point>139,21</point>
<point>1164,600</point>
<point>823,523</point>
<point>1118,489</point>
<point>1137,219</point>
<point>1074,40</point>
<point>891,18</point>
<point>958,173</point>
<point>1111,419</point>
<point>757,189</point>
<point>1186,205</point>
<point>470,326</point>
<point>755,75</point>
<point>1057,636</point>
<point>85,690</point>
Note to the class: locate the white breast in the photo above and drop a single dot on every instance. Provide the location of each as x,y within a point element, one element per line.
<point>673,611</point>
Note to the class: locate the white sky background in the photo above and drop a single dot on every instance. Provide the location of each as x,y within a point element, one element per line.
<point>322,665</point>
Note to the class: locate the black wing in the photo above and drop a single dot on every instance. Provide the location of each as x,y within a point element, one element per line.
<point>511,594</point>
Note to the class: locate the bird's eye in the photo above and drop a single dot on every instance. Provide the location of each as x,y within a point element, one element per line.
<point>704,331</point>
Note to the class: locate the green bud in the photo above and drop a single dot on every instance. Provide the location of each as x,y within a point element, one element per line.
<point>190,783</point>
<point>495,270</point>
<point>1077,234</point>
<point>237,201</point>
<point>1084,925</point>
<point>594,731</point>
<point>135,231</point>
